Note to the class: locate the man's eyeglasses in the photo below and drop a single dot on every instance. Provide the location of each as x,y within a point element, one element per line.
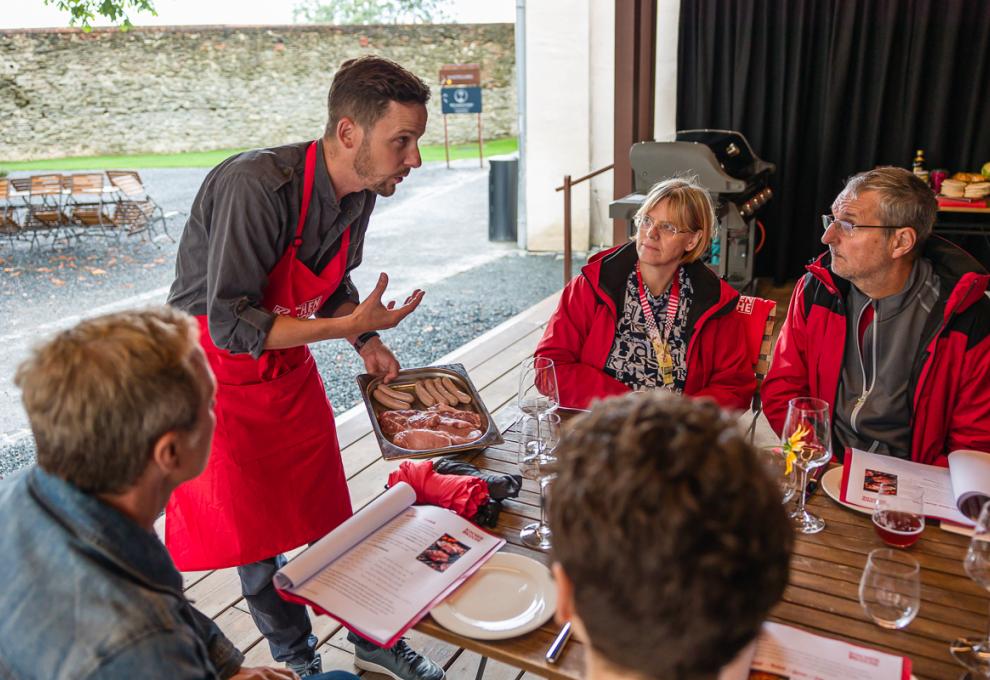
<point>848,227</point>
<point>646,225</point>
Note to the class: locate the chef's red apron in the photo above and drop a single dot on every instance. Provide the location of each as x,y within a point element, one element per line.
<point>274,480</point>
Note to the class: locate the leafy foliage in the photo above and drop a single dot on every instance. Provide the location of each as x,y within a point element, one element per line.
<point>83,12</point>
<point>343,12</point>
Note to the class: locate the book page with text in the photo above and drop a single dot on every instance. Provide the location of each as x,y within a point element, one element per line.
<point>788,652</point>
<point>348,534</point>
<point>391,578</point>
<point>864,472</point>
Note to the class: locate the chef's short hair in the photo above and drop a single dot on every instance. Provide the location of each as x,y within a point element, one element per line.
<point>99,395</point>
<point>674,537</point>
<point>363,87</point>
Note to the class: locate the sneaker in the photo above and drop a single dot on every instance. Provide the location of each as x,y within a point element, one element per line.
<point>307,668</point>
<point>400,661</point>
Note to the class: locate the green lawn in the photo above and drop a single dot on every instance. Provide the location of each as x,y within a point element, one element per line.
<point>207,159</point>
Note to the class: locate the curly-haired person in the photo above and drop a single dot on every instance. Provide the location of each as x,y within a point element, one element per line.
<point>670,542</point>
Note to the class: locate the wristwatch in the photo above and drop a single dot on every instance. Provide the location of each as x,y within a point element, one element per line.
<point>363,339</point>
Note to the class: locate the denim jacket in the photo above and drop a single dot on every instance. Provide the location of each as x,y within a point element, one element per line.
<point>87,593</point>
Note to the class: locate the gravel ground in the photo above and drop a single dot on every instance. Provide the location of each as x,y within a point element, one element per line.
<point>455,311</point>
<point>431,234</point>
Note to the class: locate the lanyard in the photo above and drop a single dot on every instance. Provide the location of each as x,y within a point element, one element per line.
<point>672,303</point>
<point>661,349</point>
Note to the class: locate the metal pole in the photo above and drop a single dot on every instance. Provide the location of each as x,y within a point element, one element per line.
<point>520,35</point>
<point>567,229</point>
<point>481,153</point>
<point>446,146</point>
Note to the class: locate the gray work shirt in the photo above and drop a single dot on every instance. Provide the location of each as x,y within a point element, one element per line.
<point>241,223</point>
<point>873,406</point>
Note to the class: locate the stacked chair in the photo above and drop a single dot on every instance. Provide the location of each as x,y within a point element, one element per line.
<point>63,208</point>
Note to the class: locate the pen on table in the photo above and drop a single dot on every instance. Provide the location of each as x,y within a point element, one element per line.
<point>558,644</point>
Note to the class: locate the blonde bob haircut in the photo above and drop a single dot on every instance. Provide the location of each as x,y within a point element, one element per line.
<point>690,206</point>
<point>99,395</point>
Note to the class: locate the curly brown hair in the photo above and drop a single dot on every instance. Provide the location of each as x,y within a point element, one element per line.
<point>673,535</point>
<point>363,87</point>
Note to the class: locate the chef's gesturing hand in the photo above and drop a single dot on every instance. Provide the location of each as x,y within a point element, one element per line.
<point>373,315</point>
<point>379,360</point>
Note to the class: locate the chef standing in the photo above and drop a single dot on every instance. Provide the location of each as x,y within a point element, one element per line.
<point>264,263</point>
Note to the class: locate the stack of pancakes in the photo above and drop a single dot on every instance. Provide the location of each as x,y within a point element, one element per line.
<point>966,185</point>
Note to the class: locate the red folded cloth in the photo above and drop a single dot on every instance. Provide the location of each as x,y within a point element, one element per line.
<point>460,493</point>
<point>945,202</point>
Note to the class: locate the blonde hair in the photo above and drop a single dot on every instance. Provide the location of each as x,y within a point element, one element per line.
<point>691,205</point>
<point>99,395</point>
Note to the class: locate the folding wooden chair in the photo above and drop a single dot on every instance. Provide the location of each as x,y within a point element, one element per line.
<point>136,210</point>
<point>89,208</point>
<point>46,209</point>
<point>759,315</point>
<point>10,224</point>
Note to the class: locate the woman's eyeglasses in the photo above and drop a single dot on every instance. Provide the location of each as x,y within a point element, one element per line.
<point>647,224</point>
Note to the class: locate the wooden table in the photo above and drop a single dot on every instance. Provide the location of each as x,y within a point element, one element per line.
<point>822,596</point>
<point>526,652</point>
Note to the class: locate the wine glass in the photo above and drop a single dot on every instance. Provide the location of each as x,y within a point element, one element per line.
<point>534,442</point>
<point>537,394</point>
<point>890,588</point>
<point>974,653</point>
<point>775,463</point>
<point>537,534</point>
<point>899,514</point>
<point>807,440</point>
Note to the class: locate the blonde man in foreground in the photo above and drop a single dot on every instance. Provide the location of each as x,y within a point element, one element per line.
<point>121,407</point>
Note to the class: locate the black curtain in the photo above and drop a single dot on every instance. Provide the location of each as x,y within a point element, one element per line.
<point>826,88</point>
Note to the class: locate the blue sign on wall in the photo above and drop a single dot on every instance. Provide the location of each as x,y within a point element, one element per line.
<point>460,99</point>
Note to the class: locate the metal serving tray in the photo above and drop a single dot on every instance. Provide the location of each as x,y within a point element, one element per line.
<point>457,373</point>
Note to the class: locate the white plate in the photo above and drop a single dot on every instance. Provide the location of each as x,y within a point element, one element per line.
<point>831,483</point>
<point>509,595</point>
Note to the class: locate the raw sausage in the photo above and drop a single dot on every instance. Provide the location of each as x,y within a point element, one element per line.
<point>434,392</point>
<point>462,397</point>
<point>396,394</point>
<point>423,394</point>
<point>385,400</point>
<point>442,391</point>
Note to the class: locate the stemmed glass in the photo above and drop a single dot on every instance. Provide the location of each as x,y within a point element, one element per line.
<point>974,653</point>
<point>807,437</point>
<point>775,463</point>
<point>537,534</point>
<point>538,394</point>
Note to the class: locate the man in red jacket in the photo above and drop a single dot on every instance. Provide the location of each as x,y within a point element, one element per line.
<point>891,327</point>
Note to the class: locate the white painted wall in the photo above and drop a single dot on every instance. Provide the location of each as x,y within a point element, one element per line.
<point>570,112</point>
<point>558,126</point>
<point>665,103</point>
<point>602,112</point>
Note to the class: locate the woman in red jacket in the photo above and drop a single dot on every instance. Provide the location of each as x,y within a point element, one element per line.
<point>650,315</point>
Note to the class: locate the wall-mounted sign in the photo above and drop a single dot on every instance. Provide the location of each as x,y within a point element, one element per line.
<point>460,99</point>
<point>460,92</point>
<point>453,75</point>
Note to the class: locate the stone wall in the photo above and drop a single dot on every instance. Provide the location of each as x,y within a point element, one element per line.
<point>167,89</point>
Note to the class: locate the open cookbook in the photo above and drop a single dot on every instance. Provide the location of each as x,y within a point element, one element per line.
<point>955,494</point>
<point>383,569</point>
<point>781,652</point>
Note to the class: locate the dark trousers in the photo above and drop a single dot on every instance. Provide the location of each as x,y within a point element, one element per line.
<point>285,625</point>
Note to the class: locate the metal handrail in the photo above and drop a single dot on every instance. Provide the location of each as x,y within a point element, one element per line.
<point>566,188</point>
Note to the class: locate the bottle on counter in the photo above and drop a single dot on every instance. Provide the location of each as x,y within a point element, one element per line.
<point>919,165</point>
